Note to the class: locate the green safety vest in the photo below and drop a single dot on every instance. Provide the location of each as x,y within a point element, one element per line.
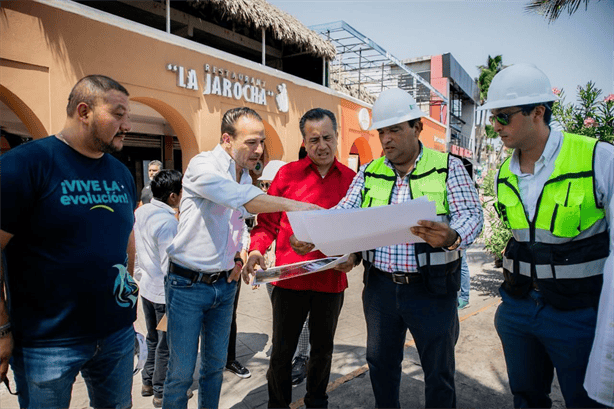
<point>563,249</point>
<point>427,179</point>
<point>440,269</point>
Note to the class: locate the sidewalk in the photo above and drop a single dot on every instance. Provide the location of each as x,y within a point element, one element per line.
<point>481,378</point>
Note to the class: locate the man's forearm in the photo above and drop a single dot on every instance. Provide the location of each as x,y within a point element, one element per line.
<point>271,204</point>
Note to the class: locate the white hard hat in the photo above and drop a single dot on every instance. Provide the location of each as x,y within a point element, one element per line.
<point>271,168</point>
<point>394,106</point>
<point>519,84</point>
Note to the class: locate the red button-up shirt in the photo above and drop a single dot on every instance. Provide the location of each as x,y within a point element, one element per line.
<point>301,181</point>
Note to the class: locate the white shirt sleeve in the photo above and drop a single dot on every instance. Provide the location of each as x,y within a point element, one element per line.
<point>164,238</point>
<point>204,179</point>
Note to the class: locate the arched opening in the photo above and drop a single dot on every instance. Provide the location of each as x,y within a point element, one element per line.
<point>158,132</point>
<point>273,149</point>
<point>18,123</point>
<point>183,131</point>
<point>360,153</point>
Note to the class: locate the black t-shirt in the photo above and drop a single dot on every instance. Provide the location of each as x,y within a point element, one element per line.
<point>71,217</point>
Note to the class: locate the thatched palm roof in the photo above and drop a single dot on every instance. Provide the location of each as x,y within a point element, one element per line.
<point>284,27</point>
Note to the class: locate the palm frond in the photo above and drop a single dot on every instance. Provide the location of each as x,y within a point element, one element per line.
<point>552,9</point>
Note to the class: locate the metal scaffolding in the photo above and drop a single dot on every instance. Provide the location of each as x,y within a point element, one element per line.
<point>365,67</point>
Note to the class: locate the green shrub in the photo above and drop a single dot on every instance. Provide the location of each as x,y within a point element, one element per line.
<point>496,234</point>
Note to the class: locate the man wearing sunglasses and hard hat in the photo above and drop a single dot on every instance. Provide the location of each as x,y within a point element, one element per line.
<point>414,286</point>
<point>554,193</point>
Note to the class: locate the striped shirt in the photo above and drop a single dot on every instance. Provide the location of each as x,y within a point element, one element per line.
<point>465,212</point>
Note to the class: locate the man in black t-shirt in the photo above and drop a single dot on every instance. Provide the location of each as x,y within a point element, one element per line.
<point>66,232</point>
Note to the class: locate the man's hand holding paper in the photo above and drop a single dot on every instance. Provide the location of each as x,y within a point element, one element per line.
<point>300,247</point>
<point>436,234</point>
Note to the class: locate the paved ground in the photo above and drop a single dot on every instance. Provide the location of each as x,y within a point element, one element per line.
<point>481,378</point>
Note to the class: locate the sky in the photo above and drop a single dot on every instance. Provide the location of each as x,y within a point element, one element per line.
<point>571,51</point>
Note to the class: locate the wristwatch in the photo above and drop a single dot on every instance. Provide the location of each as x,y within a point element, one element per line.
<point>457,243</point>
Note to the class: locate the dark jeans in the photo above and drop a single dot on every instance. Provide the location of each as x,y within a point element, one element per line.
<point>290,309</point>
<point>232,339</point>
<point>154,372</point>
<point>390,310</point>
<point>536,339</point>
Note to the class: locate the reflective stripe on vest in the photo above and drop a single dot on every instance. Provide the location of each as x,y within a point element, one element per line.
<point>544,271</point>
<point>439,258</point>
<point>546,236</point>
<point>566,215</point>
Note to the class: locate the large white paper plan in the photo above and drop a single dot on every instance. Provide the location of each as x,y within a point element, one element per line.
<point>342,231</point>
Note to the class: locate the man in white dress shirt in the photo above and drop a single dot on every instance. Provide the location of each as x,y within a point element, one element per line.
<point>155,228</point>
<point>205,258</point>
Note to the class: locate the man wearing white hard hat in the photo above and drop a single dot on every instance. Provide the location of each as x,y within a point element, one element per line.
<point>414,286</point>
<point>269,172</point>
<point>553,192</point>
<point>320,179</point>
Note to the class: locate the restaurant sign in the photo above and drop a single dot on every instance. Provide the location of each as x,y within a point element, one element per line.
<point>230,84</point>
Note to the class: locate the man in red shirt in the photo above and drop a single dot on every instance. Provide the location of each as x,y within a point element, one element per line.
<point>320,179</point>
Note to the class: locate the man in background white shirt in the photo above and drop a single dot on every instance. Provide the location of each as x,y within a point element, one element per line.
<point>205,258</point>
<point>155,228</point>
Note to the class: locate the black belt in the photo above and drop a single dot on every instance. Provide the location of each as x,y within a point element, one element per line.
<point>401,278</point>
<point>195,276</point>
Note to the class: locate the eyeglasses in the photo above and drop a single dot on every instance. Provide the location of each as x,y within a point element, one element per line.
<point>503,119</point>
<point>6,382</point>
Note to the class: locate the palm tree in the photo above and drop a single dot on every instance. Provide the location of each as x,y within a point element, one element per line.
<point>552,9</point>
<point>487,73</point>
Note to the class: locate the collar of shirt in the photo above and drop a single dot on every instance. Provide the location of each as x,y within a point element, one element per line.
<point>306,162</point>
<point>549,154</point>
<point>391,166</point>
<point>162,205</point>
<point>229,163</point>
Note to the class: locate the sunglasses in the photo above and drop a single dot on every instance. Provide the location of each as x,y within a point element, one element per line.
<point>6,382</point>
<point>265,185</point>
<point>503,119</point>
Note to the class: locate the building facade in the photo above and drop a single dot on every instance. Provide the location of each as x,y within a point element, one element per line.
<point>179,89</point>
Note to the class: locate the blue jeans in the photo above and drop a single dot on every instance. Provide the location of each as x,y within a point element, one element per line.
<point>390,310</point>
<point>463,294</point>
<point>536,339</point>
<point>193,310</point>
<point>45,375</point>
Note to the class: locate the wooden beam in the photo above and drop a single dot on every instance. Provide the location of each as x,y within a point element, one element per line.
<point>210,28</point>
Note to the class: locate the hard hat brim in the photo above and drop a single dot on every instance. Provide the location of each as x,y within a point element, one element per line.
<point>515,102</point>
<point>396,120</point>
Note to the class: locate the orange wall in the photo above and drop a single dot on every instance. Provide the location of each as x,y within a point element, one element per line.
<point>45,50</point>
